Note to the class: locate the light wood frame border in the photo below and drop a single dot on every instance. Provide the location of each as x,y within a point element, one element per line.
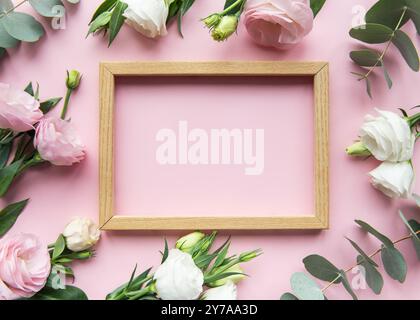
<point>110,70</point>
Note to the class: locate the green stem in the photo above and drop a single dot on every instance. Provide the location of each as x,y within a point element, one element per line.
<point>12,9</point>
<point>381,57</point>
<point>66,103</point>
<point>232,6</point>
<point>35,160</point>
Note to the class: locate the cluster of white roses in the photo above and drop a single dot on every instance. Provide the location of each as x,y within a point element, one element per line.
<point>390,139</point>
<point>186,270</point>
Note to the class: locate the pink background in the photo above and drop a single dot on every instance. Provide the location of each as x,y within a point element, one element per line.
<point>58,194</point>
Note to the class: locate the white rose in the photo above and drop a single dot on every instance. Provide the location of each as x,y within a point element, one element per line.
<point>81,234</point>
<point>388,137</point>
<point>394,179</point>
<point>147,16</point>
<point>178,278</point>
<point>225,292</point>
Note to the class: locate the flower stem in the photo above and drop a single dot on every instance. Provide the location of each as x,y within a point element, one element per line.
<point>66,103</point>
<point>381,57</point>
<point>232,6</point>
<point>370,256</point>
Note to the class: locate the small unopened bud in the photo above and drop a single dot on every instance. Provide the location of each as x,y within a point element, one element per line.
<point>358,150</point>
<point>190,240</point>
<point>226,27</point>
<point>212,20</point>
<point>235,278</point>
<point>73,79</point>
<point>248,256</point>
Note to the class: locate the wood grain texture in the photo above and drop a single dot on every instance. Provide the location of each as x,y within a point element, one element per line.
<point>318,70</point>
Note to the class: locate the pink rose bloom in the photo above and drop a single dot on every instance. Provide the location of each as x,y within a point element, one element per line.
<point>19,111</point>
<point>24,266</point>
<point>58,142</point>
<point>278,23</point>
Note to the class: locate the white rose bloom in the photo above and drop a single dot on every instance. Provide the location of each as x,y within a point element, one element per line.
<point>394,179</point>
<point>147,16</point>
<point>225,292</point>
<point>178,278</point>
<point>388,137</point>
<point>81,234</point>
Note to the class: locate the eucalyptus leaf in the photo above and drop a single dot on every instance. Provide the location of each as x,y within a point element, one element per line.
<point>304,288</point>
<point>387,76</point>
<point>321,268</point>
<point>316,6</point>
<point>362,253</point>
<point>6,5</point>
<point>117,20</point>
<point>414,12</point>
<point>46,7</point>
<point>368,87</point>
<point>69,293</point>
<point>366,58</point>
<point>347,285</point>
<point>288,296</point>
<point>387,12</point>
<point>403,42</point>
<point>415,226</point>
<point>372,276</point>
<point>22,26</point>
<point>394,263</point>
<point>368,228</point>
<point>7,174</point>
<point>6,40</point>
<point>9,215</point>
<point>372,33</point>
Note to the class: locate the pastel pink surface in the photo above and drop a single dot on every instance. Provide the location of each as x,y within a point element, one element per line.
<point>58,194</point>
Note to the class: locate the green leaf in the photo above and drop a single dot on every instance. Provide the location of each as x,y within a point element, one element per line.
<point>316,6</point>
<point>372,276</point>
<point>48,105</point>
<point>394,263</point>
<point>9,215</point>
<point>347,285</point>
<point>59,247</point>
<point>117,20</point>
<point>415,226</point>
<point>2,52</point>
<point>387,12</point>
<point>414,12</point>
<point>387,76</point>
<point>366,58</point>
<point>362,253</point>
<point>403,42</point>
<point>368,87</point>
<point>212,278</point>
<point>185,6</point>
<point>385,240</point>
<point>5,153</point>
<point>222,255</point>
<point>321,268</point>
<point>165,252</point>
<point>288,296</point>
<point>7,175</point>
<point>6,5</point>
<point>372,33</point>
<point>173,9</point>
<point>304,288</point>
<point>6,40</point>
<point>30,89</point>
<point>46,7</point>
<point>101,21</point>
<point>22,26</point>
<point>104,6</point>
<point>69,293</point>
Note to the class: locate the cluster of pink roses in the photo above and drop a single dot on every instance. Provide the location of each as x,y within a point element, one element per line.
<point>55,139</point>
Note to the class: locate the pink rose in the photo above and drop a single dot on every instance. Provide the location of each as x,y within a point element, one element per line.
<point>24,266</point>
<point>58,142</point>
<point>278,23</point>
<point>19,111</point>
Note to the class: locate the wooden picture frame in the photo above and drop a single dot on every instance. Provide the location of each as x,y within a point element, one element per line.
<point>110,70</point>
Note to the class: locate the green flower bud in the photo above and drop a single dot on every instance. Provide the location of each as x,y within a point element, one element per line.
<point>248,256</point>
<point>190,240</point>
<point>226,27</point>
<point>234,278</point>
<point>73,79</point>
<point>212,20</point>
<point>358,150</point>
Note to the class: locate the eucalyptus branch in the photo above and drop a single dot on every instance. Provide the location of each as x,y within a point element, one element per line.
<point>12,9</point>
<point>384,52</point>
<point>370,256</point>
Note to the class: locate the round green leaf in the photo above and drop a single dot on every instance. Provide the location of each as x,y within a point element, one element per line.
<point>366,58</point>
<point>288,296</point>
<point>403,42</point>
<point>372,276</point>
<point>6,40</point>
<point>304,288</point>
<point>22,26</point>
<point>46,7</point>
<point>372,33</point>
<point>321,268</point>
<point>387,12</point>
<point>394,263</point>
